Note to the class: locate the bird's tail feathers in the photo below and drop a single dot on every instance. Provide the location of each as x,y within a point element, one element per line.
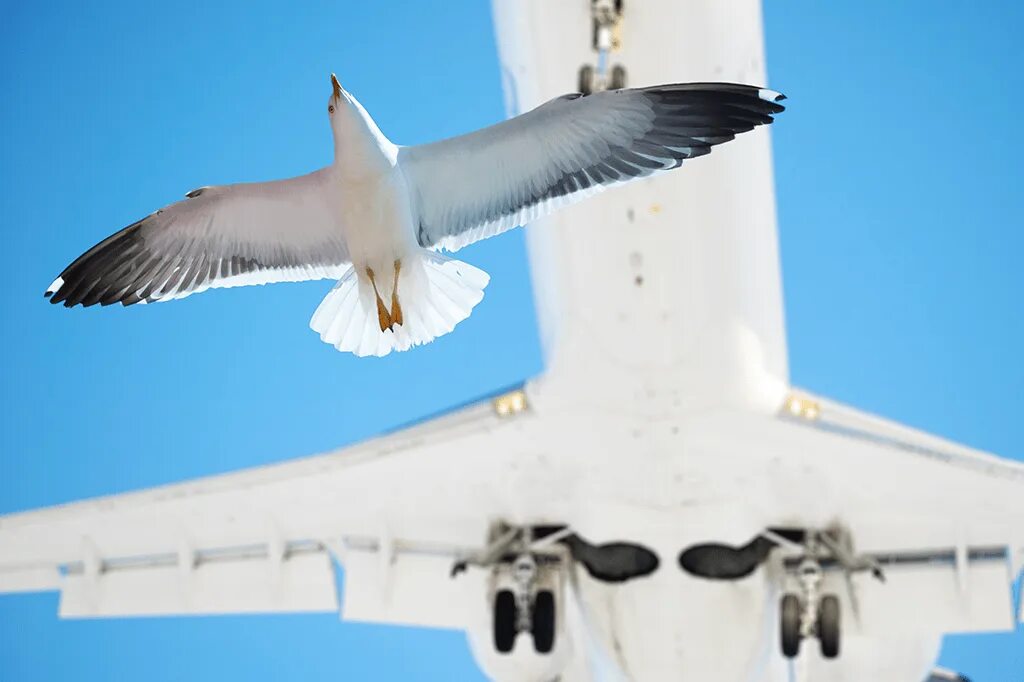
<point>434,292</point>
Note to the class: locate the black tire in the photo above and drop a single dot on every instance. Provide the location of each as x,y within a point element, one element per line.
<point>618,80</point>
<point>586,81</point>
<point>789,632</point>
<point>544,622</point>
<point>505,614</point>
<point>828,626</point>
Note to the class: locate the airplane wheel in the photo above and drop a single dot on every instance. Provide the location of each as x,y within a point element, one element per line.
<point>505,614</point>
<point>586,82</point>
<point>618,77</point>
<point>790,630</point>
<point>544,622</point>
<point>828,626</point>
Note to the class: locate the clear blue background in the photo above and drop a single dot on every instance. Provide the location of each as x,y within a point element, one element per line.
<point>898,171</point>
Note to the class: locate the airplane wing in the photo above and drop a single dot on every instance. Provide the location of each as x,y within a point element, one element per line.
<point>942,520</point>
<point>266,539</point>
<point>398,511</point>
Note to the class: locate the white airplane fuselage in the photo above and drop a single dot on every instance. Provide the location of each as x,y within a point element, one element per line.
<point>661,303</point>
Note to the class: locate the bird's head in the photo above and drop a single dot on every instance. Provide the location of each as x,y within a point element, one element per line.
<point>352,127</point>
<point>343,110</point>
<point>339,98</point>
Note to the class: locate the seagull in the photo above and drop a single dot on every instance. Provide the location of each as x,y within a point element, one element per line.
<point>380,217</point>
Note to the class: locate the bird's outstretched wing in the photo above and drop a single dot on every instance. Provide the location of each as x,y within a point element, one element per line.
<point>478,185</point>
<point>224,236</point>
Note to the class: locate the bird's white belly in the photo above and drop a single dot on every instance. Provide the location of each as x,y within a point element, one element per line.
<point>377,221</point>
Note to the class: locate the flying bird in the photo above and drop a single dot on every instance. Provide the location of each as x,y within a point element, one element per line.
<point>379,218</point>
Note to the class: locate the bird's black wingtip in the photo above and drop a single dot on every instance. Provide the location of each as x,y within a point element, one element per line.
<point>55,286</point>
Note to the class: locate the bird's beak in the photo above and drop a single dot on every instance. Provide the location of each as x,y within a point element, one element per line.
<point>337,86</point>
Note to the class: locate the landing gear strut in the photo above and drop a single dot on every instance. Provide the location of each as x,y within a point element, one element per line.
<point>526,575</point>
<point>811,613</point>
<point>606,16</point>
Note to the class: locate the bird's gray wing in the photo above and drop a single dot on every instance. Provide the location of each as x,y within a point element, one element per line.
<point>224,236</point>
<point>478,185</point>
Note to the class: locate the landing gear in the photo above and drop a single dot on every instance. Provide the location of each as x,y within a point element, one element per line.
<point>790,630</point>
<point>527,576</point>
<point>618,80</point>
<point>507,617</point>
<point>828,626</point>
<point>505,621</point>
<point>525,606</point>
<point>586,79</point>
<point>590,81</point>
<point>809,614</point>
<point>825,626</point>
<point>544,622</point>
<point>606,18</point>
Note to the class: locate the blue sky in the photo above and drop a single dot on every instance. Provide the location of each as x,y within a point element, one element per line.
<point>898,172</point>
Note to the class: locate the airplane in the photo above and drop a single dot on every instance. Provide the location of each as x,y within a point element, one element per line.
<point>683,512</point>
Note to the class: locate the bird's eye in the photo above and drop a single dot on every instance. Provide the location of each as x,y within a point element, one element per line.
<point>330,108</point>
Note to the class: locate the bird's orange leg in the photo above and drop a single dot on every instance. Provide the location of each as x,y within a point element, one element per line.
<point>383,317</point>
<point>396,307</point>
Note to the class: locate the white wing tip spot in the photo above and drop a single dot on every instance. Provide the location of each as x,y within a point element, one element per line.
<point>770,95</point>
<point>55,286</point>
